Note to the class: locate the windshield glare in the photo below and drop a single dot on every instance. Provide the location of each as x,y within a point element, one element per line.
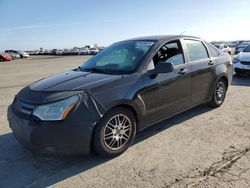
<point>247,49</point>
<point>119,58</point>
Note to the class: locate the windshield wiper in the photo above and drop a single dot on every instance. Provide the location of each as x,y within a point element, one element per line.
<point>77,69</point>
<point>94,69</point>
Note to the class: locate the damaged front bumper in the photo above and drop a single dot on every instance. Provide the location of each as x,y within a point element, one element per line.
<point>70,136</point>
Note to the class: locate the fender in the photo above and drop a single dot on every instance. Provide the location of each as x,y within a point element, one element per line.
<point>137,105</point>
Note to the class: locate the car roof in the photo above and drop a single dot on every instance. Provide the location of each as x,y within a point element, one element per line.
<point>162,37</point>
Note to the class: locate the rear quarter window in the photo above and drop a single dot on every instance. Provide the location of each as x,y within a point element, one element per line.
<point>213,50</point>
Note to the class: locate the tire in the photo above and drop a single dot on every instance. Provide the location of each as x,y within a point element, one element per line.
<point>115,132</point>
<point>219,94</point>
<point>1,59</point>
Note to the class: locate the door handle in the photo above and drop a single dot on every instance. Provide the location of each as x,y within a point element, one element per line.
<point>183,71</point>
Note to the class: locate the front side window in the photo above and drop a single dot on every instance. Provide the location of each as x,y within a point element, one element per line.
<point>119,58</point>
<point>170,53</point>
<point>196,50</point>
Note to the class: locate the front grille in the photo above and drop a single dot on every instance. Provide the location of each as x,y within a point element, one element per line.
<point>22,107</point>
<point>245,62</point>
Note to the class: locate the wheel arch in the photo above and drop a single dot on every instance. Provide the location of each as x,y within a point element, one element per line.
<point>129,107</point>
<point>122,105</point>
<point>222,76</point>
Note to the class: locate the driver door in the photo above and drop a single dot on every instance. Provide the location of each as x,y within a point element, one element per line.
<point>167,93</point>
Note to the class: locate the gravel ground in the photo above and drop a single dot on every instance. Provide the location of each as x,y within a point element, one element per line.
<point>202,147</point>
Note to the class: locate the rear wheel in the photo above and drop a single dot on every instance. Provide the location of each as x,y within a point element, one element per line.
<point>219,94</point>
<point>115,132</point>
<point>1,59</point>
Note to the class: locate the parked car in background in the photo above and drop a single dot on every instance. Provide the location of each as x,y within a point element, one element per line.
<point>66,51</point>
<point>241,47</point>
<point>84,51</point>
<point>34,52</point>
<point>101,48</point>
<point>74,52</point>
<point>46,52</point>
<point>94,51</point>
<point>5,57</point>
<point>130,86</point>
<point>21,53</point>
<point>59,52</point>
<point>41,52</point>
<point>13,52</point>
<point>53,52</point>
<point>241,62</point>
<point>224,48</point>
<point>14,55</point>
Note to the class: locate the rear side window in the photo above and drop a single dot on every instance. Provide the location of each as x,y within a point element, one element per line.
<point>196,50</point>
<point>213,50</point>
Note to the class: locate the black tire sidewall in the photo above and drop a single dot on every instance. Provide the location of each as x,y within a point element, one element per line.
<point>214,102</point>
<point>99,145</point>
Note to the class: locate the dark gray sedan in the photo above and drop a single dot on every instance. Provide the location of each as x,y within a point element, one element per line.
<point>124,89</point>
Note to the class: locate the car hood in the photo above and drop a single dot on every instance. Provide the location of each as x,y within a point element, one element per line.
<point>73,80</point>
<point>244,56</point>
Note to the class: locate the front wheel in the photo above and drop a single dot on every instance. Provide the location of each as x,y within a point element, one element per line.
<point>219,94</point>
<point>115,132</point>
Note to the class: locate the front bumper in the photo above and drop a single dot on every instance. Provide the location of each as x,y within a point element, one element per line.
<point>70,136</point>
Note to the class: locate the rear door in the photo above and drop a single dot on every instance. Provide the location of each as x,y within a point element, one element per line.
<point>202,68</point>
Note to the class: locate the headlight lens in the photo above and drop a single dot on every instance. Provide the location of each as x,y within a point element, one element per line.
<point>236,60</point>
<point>57,110</point>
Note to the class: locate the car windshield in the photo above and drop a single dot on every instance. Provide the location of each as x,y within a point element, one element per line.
<point>119,58</point>
<point>247,49</point>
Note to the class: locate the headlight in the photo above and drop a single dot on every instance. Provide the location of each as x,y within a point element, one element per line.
<point>236,60</point>
<point>57,110</point>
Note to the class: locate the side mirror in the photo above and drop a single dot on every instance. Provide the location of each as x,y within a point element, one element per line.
<point>161,67</point>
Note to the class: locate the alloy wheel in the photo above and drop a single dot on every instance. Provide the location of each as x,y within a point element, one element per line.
<point>117,132</point>
<point>220,92</point>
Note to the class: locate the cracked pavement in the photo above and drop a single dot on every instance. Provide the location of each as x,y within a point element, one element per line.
<point>202,147</point>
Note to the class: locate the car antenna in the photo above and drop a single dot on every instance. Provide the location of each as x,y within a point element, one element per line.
<point>183,33</point>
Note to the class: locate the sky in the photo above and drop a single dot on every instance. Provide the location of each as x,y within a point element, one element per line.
<point>31,24</point>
